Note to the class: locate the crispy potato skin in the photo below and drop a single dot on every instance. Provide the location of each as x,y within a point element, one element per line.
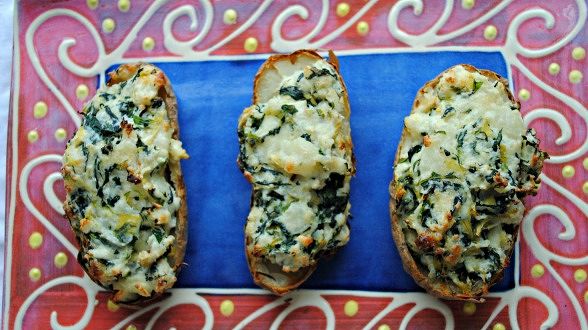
<point>419,274</point>
<point>266,275</point>
<point>123,73</point>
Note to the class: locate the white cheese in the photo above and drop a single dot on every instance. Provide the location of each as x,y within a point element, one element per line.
<point>297,218</point>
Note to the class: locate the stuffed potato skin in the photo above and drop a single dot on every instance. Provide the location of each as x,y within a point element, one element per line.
<point>125,196</point>
<point>463,166</point>
<point>296,150</point>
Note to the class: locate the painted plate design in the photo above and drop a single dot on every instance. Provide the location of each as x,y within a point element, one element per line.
<point>211,50</point>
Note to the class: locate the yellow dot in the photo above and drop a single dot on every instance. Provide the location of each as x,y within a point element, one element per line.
<point>35,240</point>
<point>93,4</point>
<point>580,275</point>
<point>351,308</point>
<point>250,45</point>
<point>35,274</point>
<point>384,327</point>
<point>469,308</point>
<point>108,25</point>
<point>490,32</point>
<point>60,134</point>
<point>575,76</point>
<point>112,306</point>
<point>33,136</point>
<point>468,4</point>
<point>124,5</point>
<point>230,16</point>
<point>537,270</point>
<point>82,92</point>
<point>131,327</point>
<point>578,53</point>
<point>363,28</point>
<point>499,326</point>
<point>568,171</point>
<point>585,187</point>
<point>524,94</point>
<point>343,9</point>
<point>40,109</point>
<point>148,44</point>
<point>60,260</point>
<point>586,296</point>
<point>553,69</point>
<point>585,163</point>
<point>227,307</point>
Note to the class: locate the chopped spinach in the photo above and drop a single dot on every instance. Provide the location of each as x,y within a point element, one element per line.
<point>496,144</point>
<point>275,195</point>
<point>79,201</point>
<point>108,112</point>
<point>159,233</point>
<point>140,121</point>
<point>127,108</point>
<point>256,122</point>
<point>331,203</point>
<point>156,103</point>
<point>460,136</point>
<point>274,131</point>
<point>414,150</point>
<point>106,149</point>
<point>106,177</point>
<point>292,91</point>
<point>447,111</point>
<point>317,73</point>
<point>477,85</point>
<point>408,202</point>
<point>103,130</point>
<point>142,145</point>
<point>107,97</point>
<point>123,235</point>
<point>288,108</point>
<point>112,200</point>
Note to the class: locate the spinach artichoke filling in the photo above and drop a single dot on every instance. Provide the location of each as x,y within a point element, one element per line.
<point>465,165</point>
<point>296,150</point>
<point>122,201</point>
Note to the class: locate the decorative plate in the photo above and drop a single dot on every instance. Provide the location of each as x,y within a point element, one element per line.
<point>211,51</point>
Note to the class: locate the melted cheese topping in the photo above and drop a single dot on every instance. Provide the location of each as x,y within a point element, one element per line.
<point>296,150</point>
<point>464,164</point>
<point>121,199</point>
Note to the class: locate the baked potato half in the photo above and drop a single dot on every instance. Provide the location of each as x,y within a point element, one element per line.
<point>463,165</point>
<point>126,200</point>
<point>296,151</point>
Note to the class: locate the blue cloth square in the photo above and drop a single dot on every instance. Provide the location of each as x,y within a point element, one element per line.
<point>382,87</point>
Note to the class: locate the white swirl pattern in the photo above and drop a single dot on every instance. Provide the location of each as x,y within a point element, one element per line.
<point>89,287</point>
<point>186,52</point>
<point>181,47</point>
<point>280,44</point>
<point>558,118</point>
<point>431,36</point>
